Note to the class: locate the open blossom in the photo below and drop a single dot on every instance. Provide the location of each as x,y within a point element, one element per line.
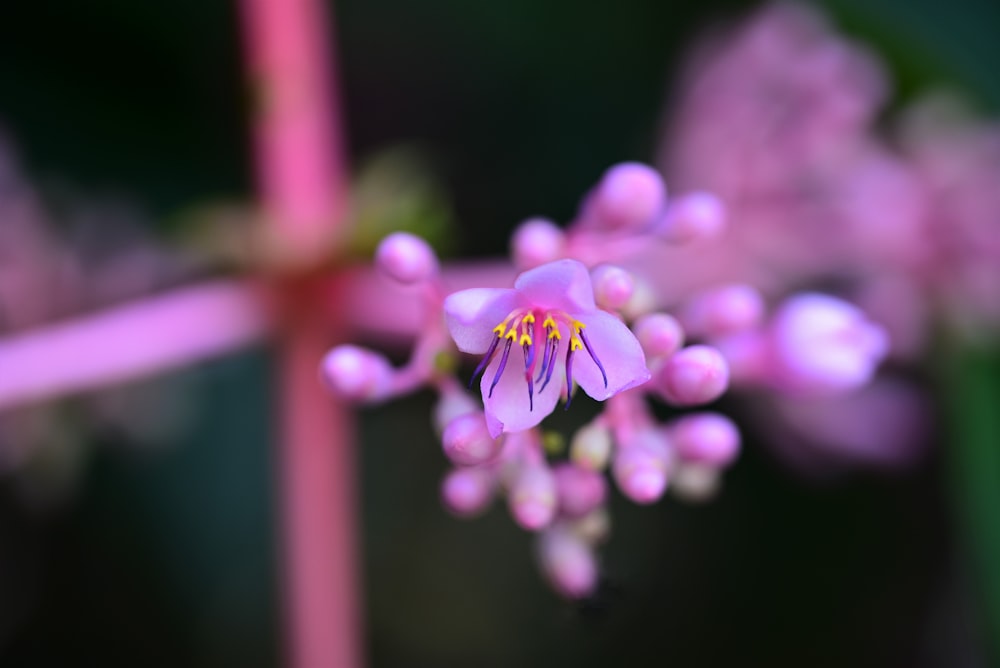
<point>551,316</point>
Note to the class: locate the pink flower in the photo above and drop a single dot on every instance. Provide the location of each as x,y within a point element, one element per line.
<point>551,315</point>
<point>568,562</point>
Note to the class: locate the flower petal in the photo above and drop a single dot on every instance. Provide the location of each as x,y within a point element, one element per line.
<point>472,314</point>
<point>508,410</point>
<point>619,352</point>
<point>563,284</point>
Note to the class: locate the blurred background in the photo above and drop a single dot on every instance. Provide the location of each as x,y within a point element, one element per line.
<point>120,547</point>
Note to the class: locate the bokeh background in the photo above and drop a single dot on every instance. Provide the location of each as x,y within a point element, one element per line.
<point>165,555</point>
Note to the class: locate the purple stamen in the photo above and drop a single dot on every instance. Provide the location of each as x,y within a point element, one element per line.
<point>503,365</point>
<point>545,356</point>
<point>552,364</point>
<point>485,361</point>
<point>569,377</point>
<point>531,390</point>
<point>529,359</point>
<point>586,343</point>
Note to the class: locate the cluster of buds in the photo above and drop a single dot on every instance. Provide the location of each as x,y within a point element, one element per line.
<point>577,319</point>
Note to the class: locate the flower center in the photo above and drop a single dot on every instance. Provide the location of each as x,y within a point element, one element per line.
<point>531,328</point>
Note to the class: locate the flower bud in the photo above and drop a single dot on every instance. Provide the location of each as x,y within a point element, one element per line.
<point>821,344</point>
<point>693,217</point>
<point>613,286</point>
<point>356,373</point>
<point>641,468</point>
<point>579,490</point>
<point>537,241</point>
<point>452,404</point>
<point>659,334</point>
<point>591,447</point>
<point>724,310</point>
<point>642,302</point>
<point>692,376</point>
<point>706,438</point>
<point>406,258</point>
<point>532,497</point>
<point>468,491</point>
<point>694,482</point>
<point>467,441</point>
<point>748,355</point>
<point>594,527</point>
<point>630,196</point>
<point>567,562</point>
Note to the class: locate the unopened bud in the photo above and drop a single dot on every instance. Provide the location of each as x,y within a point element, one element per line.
<point>537,241</point>
<point>724,310</point>
<point>613,286</point>
<point>630,196</point>
<point>642,302</point>
<point>406,258</point>
<point>591,447</point>
<point>467,441</point>
<point>695,483</point>
<point>659,334</point>
<point>532,497</point>
<point>594,527</point>
<point>356,373</point>
<point>451,405</point>
<point>693,217</point>
<point>579,490</point>
<point>567,562</point>
<point>694,375</point>
<point>468,491</point>
<point>822,344</point>
<point>706,438</point>
<point>641,468</point>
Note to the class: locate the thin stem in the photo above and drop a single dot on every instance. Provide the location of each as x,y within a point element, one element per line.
<point>150,335</point>
<point>302,182</point>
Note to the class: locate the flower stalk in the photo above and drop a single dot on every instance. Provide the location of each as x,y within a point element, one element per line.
<point>302,180</point>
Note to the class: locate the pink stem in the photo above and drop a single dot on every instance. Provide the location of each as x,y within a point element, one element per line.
<point>130,341</point>
<point>303,188</point>
<point>377,307</point>
<point>300,167</point>
<point>318,471</point>
<point>197,322</point>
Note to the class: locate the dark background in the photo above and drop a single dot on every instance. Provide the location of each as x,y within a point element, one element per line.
<point>167,557</point>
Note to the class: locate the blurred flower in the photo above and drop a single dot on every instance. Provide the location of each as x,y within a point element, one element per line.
<point>957,161</point>
<point>814,344</point>
<point>773,116</point>
<point>777,117</point>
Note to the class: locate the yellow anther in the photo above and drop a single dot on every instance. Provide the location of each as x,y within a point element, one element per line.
<point>525,327</point>
<point>549,322</point>
<point>554,334</point>
<point>575,343</point>
<point>577,325</point>
<point>511,334</point>
<point>502,327</point>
